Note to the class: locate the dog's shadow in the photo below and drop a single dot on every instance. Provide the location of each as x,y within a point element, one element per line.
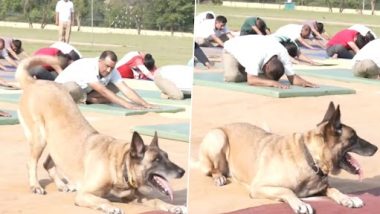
<point>368,185</point>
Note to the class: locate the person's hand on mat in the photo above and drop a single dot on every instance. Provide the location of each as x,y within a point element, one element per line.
<point>316,63</point>
<point>281,86</point>
<point>307,84</point>
<point>4,114</point>
<point>151,106</point>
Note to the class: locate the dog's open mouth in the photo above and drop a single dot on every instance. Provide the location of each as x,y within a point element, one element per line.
<point>351,165</point>
<point>161,184</point>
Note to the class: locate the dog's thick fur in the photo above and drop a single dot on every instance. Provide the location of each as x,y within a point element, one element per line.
<point>285,167</point>
<point>94,164</point>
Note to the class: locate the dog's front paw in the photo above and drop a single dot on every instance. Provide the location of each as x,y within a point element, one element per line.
<point>220,180</point>
<point>178,210</point>
<point>67,188</point>
<point>352,202</point>
<point>38,190</point>
<point>113,210</point>
<point>304,208</point>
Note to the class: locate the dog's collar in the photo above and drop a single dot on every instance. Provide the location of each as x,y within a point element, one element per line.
<point>313,165</point>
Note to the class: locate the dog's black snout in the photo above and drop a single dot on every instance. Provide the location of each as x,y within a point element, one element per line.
<point>180,172</point>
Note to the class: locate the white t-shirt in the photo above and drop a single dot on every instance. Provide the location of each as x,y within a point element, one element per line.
<point>64,10</point>
<point>369,51</point>
<point>363,30</point>
<point>253,51</point>
<point>180,75</point>
<point>198,19</point>
<point>84,71</point>
<point>65,48</point>
<point>292,31</point>
<point>207,28</point>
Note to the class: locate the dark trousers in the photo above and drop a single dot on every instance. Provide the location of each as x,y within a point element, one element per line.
<point>341,51</point>
<point>200,55</point>
<point>40,72</point>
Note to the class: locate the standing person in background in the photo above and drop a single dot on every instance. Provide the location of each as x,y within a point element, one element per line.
<point>64,18</point>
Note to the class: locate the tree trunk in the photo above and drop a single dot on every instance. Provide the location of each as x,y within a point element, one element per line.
<point>26,8</point>
<point>330,5</point>
<point>373,3</point>
<point>341,6</point>
<point>78,18</point>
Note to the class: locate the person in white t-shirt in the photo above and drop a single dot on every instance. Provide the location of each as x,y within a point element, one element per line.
<point>366,63</point>
<point>64,18</point>
<point>259,60</point>
<point>298,33</point>
<point>198,19</point>
<point>212,31</point>
<point>174,81</point>
<point>97,79</point>
<point>67,49</point>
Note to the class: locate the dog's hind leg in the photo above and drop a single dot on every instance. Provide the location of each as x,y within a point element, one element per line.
<point>212,156</point>
<point>50,167</point>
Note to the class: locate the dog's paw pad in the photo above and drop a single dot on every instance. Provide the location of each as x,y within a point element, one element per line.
<point>178,210</point>
<point>220,181</point>
<point>38,190</point>
<point>352,202</point>
<point>304,209</point>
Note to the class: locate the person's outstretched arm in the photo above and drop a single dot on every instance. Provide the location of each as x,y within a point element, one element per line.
<point>132,95</point>
<point>257,81</point>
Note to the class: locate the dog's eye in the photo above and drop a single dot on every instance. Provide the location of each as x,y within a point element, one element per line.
<point>157,159</point>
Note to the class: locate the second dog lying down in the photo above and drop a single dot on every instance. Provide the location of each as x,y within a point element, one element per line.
<point>285,167</point>
<point>95,164</point>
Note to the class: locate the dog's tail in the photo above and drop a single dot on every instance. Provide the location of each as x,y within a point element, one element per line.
<point>22,74</point>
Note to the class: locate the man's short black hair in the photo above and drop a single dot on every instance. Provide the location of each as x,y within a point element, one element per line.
<point>360,41</point>
<point>18,46</point>
<point>74,55</point>
<point>109,54</point>
<point>64,59</point>
<point>209,16</point>
<point>221,19</point>
<point>369,36</point>
<point>261,25</point>
<point>149,61</point>
<point>320,27</point>
<point>274,69</point>
<point>290,46</point>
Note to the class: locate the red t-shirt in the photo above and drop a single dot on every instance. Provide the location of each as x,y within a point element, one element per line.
<point>129,63</point>
<point>342,38</point>
<point>47,52</point>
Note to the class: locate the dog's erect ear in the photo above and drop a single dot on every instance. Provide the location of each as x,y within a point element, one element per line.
<point>335,119</point>
<point>154,142</point>
<point>329,113</point>
<point>137,146</point>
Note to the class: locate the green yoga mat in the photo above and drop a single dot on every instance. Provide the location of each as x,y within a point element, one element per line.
<point>104,108</point>
<point>117,110</point>
<point>174,131</point>
<point>155,97</point>
<point>9,120</point>
<point>216,80</point>
<point>344,75</point>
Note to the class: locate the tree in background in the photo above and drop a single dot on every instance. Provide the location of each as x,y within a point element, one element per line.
<point>81,9</point>
<point>373,3</point>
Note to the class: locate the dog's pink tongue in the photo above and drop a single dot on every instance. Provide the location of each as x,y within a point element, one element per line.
<point>356,164</point>
<point>165,185</point>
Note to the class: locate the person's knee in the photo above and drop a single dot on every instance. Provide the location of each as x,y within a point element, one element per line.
<point>76,92</point>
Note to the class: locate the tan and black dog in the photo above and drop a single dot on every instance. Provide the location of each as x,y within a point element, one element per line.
<point>94,164</point>
<point>285,168</point>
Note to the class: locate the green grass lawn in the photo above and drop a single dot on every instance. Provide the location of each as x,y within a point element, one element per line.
<point>165,49</point>
<point>237,15</point>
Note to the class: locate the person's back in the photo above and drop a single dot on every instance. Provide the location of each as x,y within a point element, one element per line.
<point>362,29</point>
<point>342,38</point>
